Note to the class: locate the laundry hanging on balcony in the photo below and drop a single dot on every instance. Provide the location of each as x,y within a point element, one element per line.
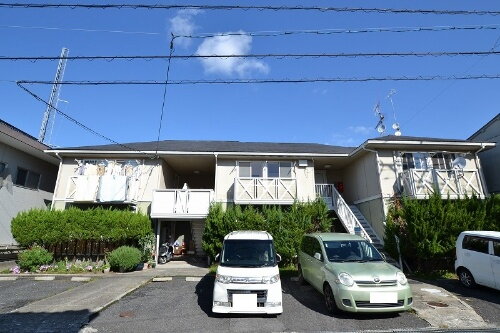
<point>86,188</point>
<point>112,188</point>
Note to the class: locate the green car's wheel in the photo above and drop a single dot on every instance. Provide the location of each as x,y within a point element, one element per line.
<point>331,306</point>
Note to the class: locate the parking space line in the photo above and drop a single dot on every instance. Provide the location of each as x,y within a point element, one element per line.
<point>8,278</point>
<point>44,278</point>
<point>193,278</point>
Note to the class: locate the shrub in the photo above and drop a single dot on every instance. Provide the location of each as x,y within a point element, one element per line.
<point>124,258</point>
<point>428,229</point>
<point>286,225</point>
<point>147,245</point>
<point>34,257</point>
<point>50,227</point>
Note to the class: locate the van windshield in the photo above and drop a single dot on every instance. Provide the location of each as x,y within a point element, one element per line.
<point>248,253</point>
<point>354,250</point>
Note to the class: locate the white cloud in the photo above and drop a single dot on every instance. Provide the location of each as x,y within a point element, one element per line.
<point>182,24</point>
<point>235,44</point>
<point>360,129</point>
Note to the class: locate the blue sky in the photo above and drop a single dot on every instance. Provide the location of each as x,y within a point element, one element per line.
<point>330,113</point>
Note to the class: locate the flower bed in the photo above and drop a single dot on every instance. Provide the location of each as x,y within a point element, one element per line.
<point>68,267</point>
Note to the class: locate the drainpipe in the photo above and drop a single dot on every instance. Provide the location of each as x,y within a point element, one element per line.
<point>215,177</point>
<point>57,180</point>
<point>480,170</point>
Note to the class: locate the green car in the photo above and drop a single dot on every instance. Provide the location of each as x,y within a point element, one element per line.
<point>352,275</point>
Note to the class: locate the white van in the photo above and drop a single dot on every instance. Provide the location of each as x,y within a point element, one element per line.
<point>478,258</point>
<point>248,279</point>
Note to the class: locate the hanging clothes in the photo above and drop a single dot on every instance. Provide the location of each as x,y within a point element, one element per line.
<point>112,188</point>
<point>90,169</point>
<point>86,188</point>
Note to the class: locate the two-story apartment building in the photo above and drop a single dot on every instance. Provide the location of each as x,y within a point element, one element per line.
<point>174,182</point>
<point>27,176</point>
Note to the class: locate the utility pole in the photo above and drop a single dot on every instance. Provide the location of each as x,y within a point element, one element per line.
<point>49,115</point>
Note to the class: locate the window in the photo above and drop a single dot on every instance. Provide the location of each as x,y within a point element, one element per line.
<point>258,169</point>
<point>477,244</point>
<point>27,178</point>
<point>3,166</point>
<point>496,248</point>
<point>420,160</point>
<point>442,161</point>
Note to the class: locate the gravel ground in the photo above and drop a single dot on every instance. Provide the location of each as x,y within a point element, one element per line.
<point>180,306</point>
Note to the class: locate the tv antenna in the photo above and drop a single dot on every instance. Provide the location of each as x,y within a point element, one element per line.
<point>49,115</point>
<point>395,125</point>
<point>380,125</point>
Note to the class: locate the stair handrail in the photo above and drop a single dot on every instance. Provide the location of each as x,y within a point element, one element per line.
<point>347,217</point>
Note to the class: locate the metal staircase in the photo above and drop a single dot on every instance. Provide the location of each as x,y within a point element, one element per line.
<point>376,240</point>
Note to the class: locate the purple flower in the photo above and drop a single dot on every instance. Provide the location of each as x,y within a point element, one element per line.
<point>88,268</point>
<point>15,270</point>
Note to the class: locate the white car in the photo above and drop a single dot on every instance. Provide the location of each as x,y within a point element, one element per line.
<point>478,258</point>
<point>248,279</point>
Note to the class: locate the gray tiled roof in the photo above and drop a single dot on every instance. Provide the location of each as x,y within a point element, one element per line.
<point>221,146</point>
<point>21,136</point>
<point>415,138</point>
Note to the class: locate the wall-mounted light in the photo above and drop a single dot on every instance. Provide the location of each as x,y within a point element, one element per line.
<point>196,172</point>
<point>328,166</point>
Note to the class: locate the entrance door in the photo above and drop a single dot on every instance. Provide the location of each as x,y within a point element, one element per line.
<point>177,232</point>
<point>320,177</point>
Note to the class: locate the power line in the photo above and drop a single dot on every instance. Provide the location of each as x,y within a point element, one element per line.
<point>258,56</point>
<point>165,92</point>
<point>279,80</point>
<point>345,31</point>
<point>73,120</point>
<point>259,8</point>
<point>80,29</point>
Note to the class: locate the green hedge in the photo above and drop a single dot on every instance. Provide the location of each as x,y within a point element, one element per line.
<point>33,258</point>
<point>286,225</point>
<point>49,227</point>
<point>428,229</point>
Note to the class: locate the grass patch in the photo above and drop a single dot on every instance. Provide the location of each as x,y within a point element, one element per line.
<point>5,271</point>
<point>288,271</point>
<point>435,275</point>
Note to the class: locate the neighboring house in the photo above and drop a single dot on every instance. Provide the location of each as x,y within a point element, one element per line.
<point>490,159</point>
<point>174,182</point>
<point>27,176</point>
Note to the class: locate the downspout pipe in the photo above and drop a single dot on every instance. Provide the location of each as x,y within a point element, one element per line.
<point>480,170</point>
<point>56,186</point>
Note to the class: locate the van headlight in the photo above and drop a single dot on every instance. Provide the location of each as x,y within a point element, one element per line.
<point>345,279</point>
<point>401,278</point>
<point>271,279</point>
<point>223,278</point>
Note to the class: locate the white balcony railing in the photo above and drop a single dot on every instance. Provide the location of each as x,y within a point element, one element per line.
<point>265,190</point>
<point>173,203</point>
<point>452,183</point>
<point>334,201</point>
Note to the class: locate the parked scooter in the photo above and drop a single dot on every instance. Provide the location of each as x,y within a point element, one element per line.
<point>166,253</point>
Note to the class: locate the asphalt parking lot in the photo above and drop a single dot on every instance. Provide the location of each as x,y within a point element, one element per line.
<point>15,294</point>
<point>485,301</point>
<point>180,306</point>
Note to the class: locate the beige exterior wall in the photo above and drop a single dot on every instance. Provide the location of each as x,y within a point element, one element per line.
<point>227,171</point>
<point>360,177</point>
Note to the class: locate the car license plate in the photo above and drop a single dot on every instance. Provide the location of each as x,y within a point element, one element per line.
<point>383,297</point>
<point>244,301</point>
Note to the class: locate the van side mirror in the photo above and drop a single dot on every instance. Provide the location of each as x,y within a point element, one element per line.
<point>278,258</point>
<point>217,257</point>
<point>317,256</point>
